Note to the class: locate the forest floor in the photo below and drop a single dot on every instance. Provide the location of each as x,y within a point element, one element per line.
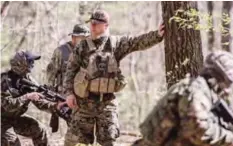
<point>126,139</point>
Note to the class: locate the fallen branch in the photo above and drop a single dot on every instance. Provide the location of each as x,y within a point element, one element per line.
<point>127,133</point>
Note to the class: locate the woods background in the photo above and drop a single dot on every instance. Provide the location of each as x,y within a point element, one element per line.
<point>42,26</point>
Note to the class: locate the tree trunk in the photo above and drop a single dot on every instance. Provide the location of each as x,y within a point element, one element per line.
<point>226,36</point>
<point>183,52</point>
<point>210,6</point>
<point>4,9</point>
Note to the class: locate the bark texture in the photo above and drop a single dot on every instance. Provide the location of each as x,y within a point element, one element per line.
<point>183,52</point>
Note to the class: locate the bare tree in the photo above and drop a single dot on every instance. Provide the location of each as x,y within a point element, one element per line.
<point>226,36</point>
<point>183,52</point>
<point>210,6</point>
<point>4,7</point>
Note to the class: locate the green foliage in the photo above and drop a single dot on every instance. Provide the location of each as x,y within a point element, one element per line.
<point>189,19</point>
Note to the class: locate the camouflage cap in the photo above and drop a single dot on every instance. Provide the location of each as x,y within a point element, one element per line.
<point>80,30</point>
<point>99,16</point>
<point>20,62</point>
<point>222,63</point>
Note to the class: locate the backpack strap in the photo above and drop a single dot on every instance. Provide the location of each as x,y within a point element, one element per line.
<point>65,51</point>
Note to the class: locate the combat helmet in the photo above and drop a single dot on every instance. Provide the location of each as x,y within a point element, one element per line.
<point>219,64</point>
<point>22,62</point>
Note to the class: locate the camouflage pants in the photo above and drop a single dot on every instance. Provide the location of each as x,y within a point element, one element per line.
<point>25,126</point>
<point>90,115</point>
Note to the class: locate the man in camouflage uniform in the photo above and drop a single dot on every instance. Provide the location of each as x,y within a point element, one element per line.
<point>57,67</point>
<point>15,102</point>
<point>185,115</point>
<point>93,75</point>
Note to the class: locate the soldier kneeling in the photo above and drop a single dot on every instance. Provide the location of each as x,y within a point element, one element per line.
<point>195,112</point>
<point>15,102</point>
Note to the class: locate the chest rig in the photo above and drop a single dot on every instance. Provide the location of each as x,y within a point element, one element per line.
<point>102,74</point>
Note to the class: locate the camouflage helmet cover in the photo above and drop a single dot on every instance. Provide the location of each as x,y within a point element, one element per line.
<point>221,62</point>
<point>20,62</point>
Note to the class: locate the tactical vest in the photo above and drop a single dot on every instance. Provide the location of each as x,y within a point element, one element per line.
<point>102,74</point>
<point>65,52</point>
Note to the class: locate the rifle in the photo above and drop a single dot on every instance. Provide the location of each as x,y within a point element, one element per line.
<point>221,109</point>
<point>64,112</point>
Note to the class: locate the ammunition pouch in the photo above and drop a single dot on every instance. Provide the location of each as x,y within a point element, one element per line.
<point>102,85</point>
<point>81,83</point>
<point>105,85</point>
<point>82,86</point>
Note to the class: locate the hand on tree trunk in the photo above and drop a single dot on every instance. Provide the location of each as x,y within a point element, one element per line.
<point>161,30</point>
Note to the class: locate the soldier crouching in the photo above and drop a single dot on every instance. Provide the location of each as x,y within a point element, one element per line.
<point>195,111</point>
<point>15,101</point>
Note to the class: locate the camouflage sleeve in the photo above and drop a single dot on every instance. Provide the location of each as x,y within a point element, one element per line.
<point>71,70</point>
<point>201,124</point>
<point>9,103</point>
<point>46,106</point>
<point>53,67</point>
<point>160,123</point>
<point>127,44</point>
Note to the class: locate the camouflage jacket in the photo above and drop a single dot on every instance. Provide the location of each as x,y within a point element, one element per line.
<point>14,102</point>
<point>123,45</point>
<point>57,66</point>
<point>184,117</point>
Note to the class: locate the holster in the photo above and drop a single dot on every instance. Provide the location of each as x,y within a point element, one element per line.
<point>54,122</point>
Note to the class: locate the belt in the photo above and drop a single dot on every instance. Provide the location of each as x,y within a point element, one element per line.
<point>97,96</point>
